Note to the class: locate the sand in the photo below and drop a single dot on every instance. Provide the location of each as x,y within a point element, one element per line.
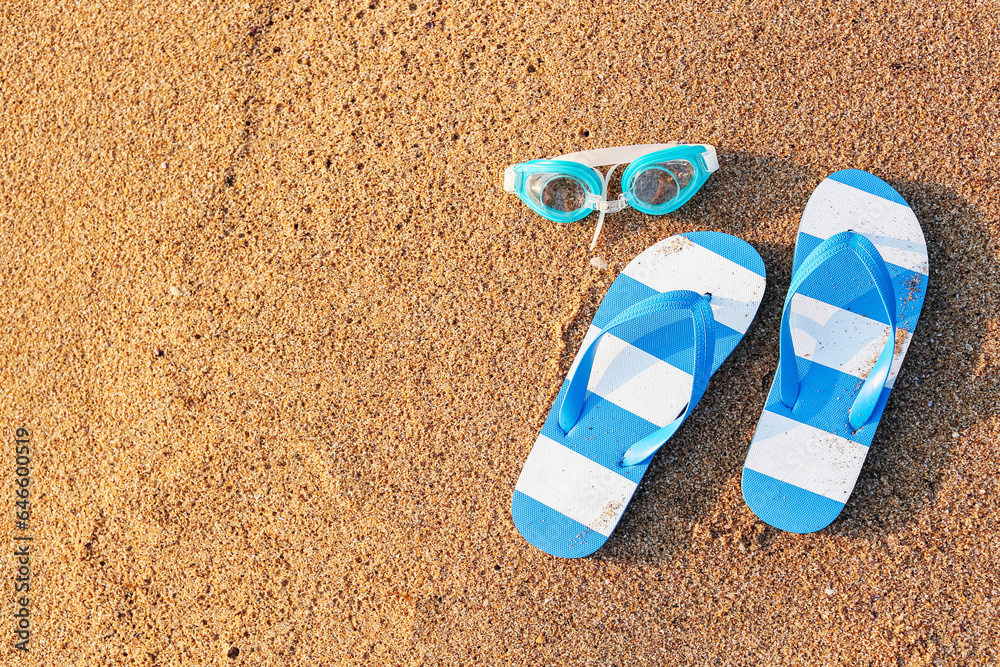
<point>282,343</point>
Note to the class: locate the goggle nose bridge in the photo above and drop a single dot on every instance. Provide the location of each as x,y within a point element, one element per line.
<point>599,203</point>
<point>510,179</point>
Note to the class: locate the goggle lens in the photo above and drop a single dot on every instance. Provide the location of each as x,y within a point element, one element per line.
<point>558,192</point>
<point>662,182</point>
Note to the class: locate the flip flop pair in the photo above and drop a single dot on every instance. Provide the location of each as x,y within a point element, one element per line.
<point>671,319</point>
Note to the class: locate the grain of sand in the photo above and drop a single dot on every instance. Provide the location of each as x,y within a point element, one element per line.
<point>283,343</point>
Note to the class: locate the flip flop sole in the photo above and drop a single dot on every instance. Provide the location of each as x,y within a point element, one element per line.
<point>803,463</point>
<point>572,491</point>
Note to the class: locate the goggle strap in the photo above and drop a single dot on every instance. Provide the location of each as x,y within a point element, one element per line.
<point>602,157</point>
<point>509,179</point>
<point>710,157</point>
<point>620,204</point>
<point>597,232</point>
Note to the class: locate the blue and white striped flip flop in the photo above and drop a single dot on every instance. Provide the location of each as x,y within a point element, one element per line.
<point>665,326</point>
<point>858,282</point>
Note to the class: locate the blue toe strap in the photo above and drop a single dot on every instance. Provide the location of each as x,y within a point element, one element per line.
<point>865,251</point>
<point>700,311</point>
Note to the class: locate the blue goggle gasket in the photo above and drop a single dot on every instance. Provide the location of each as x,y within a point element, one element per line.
<point>694,155</point>
<point>588,178</point>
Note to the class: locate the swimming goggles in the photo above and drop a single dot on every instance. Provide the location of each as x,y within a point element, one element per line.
<point>660,178</point>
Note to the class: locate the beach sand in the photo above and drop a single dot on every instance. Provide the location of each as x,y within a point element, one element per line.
<point>282,343</point>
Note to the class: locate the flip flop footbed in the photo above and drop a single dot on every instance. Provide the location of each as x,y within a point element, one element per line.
<point>572,490</point>
<point>803,462</point>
